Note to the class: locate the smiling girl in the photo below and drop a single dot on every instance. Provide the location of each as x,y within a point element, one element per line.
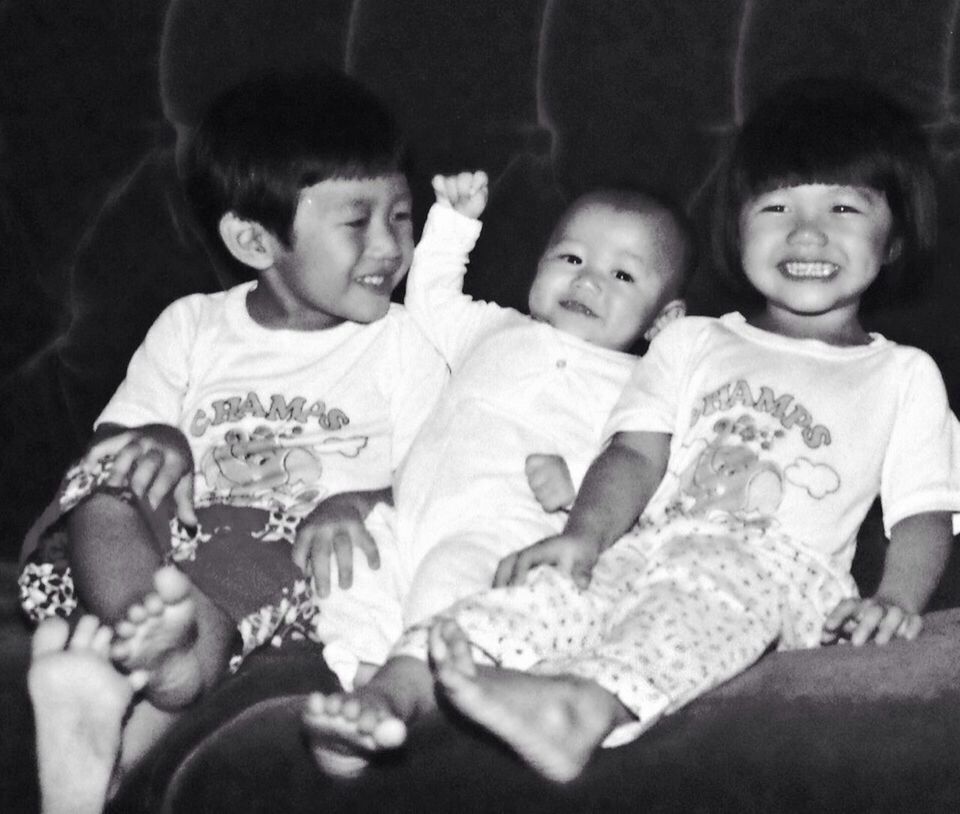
<point>753,445</point>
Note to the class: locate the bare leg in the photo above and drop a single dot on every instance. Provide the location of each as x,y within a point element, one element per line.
<point>345,729</point>
<point>553,722</point>
<point>79,700</point>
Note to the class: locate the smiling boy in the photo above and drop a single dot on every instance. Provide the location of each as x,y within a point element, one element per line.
<point>240,412</point>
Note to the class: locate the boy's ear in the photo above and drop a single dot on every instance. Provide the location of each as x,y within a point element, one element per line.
<point>248,241</point>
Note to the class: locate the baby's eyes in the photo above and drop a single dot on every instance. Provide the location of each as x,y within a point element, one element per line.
<point>773,208</point>
<point>402,215</point>
<point>572,259</point>
<point>625,276</point>
<point>845,209</point>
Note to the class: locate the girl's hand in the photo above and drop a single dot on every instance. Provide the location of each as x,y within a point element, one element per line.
<point>466,192</point>
<point>333,530</point>
<point>575,556</point>
<point>550,481</point>
<point>153,461</point>
<point>860,620</point>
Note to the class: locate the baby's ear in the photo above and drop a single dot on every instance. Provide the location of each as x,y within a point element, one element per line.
<point>671,311</point>
<point>248,241</point>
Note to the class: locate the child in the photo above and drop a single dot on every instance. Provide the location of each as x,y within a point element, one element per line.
<point>242,410</point>
<point>528,397</point>
<point>753,446</point>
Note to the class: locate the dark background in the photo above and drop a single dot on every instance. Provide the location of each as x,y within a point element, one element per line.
<point>550,96</point>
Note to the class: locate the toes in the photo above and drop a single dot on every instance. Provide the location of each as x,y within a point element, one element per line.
<point>390,733</point>
<point>126,628</point>
<point>136,613</point>
<point>172,585</point>
<point>51,635</point>
<point>154,605</point>
<point>138,679</point>
<point>100,643</point>
<point>84,633</point>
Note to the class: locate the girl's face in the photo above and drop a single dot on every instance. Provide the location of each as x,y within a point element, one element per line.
<point>812,250</point>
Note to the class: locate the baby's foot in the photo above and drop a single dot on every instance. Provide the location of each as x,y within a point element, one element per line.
<point>553,723</point>
<point>345,729</point>
<point>159,636</point>
<point>79,700</point>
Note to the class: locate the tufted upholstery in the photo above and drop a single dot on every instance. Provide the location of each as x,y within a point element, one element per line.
<point>550,96</point>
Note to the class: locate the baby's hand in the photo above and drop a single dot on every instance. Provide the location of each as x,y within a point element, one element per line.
<point>153,461</point>
<point>333,529</point>
<point>860,620</point>
<point>572,555</point>
<point>466,192</point>
<point>550,480</point>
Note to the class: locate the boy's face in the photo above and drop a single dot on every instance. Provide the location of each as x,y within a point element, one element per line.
<point>352,245</point>
<point>606,274</point>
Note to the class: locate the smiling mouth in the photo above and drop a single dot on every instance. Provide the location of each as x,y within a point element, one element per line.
<point>808,269</point>
<point>376,282</point>
<point>577,308</point>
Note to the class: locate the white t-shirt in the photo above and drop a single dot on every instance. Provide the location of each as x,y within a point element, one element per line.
<point>281,418</point>
<point>517,387</point>
<point>795,434</point>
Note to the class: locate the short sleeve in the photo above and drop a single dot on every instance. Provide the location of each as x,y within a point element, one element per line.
<point>921,468</point>
<point>157,376</point>
<point>649,402</point>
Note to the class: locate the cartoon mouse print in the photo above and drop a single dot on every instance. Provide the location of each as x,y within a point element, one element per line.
<point>264,461</point>
<point>730,477</point>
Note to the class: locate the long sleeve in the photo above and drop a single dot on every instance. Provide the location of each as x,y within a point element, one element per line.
<point>451,320</point>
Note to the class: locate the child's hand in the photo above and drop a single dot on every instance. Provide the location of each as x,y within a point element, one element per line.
<point>550,481</point>
<point>466,192</point>
<point>154,461</point>
<point>575,556</point>
<point>860,620</point>
<point>334,529</point>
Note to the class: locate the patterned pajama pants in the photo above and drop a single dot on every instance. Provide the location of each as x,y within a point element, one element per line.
<point>239,557</point>
<point>670,613</point>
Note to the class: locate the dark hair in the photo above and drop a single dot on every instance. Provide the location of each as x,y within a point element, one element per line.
<point>266,139</point>
<point>842,132</point>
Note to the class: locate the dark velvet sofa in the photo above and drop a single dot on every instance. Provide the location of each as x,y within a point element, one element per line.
<point>550,96</point>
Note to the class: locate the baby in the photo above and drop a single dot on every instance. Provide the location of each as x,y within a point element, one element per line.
<point>496,464</point>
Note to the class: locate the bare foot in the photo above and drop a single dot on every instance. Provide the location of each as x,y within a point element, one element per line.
<point>345,729</point>
<point>553,722</point>
<point>159,637</point>
<point>79,701</point>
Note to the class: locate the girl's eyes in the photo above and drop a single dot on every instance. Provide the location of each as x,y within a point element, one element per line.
<point>843,209</point>
<point>402,215</point>
<point>625,276</point>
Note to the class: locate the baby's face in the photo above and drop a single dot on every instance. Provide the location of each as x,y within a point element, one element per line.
<point>606,274</point>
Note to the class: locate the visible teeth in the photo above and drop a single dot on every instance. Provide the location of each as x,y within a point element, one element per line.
<point>373,279</point>
<point>805,268</point>
<point>577,307</point>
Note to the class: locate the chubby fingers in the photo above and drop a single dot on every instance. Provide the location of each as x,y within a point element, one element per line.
<point>317,545</point>
<point>108,447</point>
<point>453,188</point>
<point>183,501</point>
<point>861,620</point>
<point>505,571</point>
